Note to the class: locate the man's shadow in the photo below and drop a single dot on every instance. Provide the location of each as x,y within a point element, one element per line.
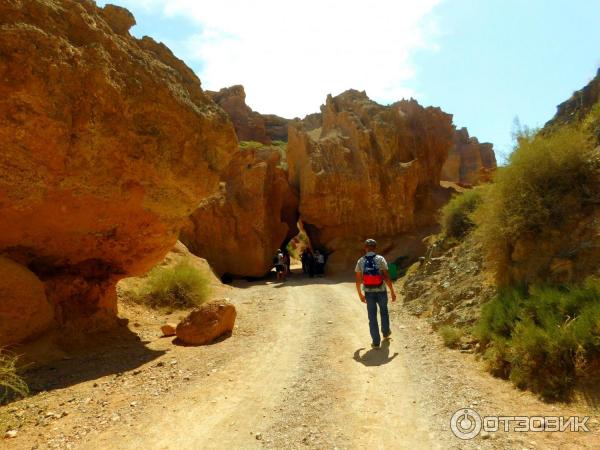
<point>375,356</point>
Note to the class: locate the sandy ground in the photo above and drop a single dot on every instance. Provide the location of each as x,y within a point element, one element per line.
<point>298,372</point>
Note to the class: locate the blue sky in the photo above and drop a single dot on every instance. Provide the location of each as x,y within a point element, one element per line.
<point>484,61</point>
<point>499,59</point>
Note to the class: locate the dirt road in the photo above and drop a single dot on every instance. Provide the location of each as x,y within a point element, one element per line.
<point>297,373</point>
<point>309,380</point>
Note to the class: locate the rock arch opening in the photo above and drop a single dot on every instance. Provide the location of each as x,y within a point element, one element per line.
<point>307,256</point>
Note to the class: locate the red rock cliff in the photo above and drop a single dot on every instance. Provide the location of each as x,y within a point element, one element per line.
<point>108,144</point>
<point>369,171</point>
<point>239,230</point>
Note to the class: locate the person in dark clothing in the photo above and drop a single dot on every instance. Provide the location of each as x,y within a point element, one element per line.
<point>278,262</point>
<point>320,263</point>
<point>286,262</point>
<point>304,260</point>
<point>311,264</point>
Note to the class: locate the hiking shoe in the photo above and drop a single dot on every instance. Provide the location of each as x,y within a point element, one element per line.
<point>387,336</point>
<point>374,345</point>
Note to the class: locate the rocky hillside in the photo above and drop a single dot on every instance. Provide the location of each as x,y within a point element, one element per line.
<point>249,125</point>
<point>108,145</point>
<point>449,285</point>
<point>469,162</point>
<point>435,288</point>
<point>519,259</point>
<point>583,105</point>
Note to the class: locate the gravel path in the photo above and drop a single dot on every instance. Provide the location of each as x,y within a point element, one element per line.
<point>297,373</point>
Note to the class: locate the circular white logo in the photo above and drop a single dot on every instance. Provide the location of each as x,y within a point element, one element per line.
<point>465,423</point>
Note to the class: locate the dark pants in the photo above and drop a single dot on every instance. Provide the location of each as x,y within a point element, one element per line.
<point>374,299</point>
<point>320,269</point>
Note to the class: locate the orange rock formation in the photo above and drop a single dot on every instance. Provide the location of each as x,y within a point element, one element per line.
<point>108,144</point>
<point>369,170</point>
<point>239,229</point>
<point>250,125</point>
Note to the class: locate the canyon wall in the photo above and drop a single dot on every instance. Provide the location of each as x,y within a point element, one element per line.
<point>239,229</point>
<point>358,168</point>
<point>111,151</point>
<point>108,145</point>
<point>369,171</point>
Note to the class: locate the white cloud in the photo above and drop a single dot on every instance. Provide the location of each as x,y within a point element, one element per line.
<point>290,54</point>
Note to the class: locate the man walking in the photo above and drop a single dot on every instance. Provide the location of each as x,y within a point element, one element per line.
<point>372,273</point>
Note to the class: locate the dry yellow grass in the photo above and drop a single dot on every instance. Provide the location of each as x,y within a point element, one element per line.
<point>11,384</point>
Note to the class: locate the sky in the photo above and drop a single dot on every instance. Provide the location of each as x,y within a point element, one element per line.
<point>486,62</point>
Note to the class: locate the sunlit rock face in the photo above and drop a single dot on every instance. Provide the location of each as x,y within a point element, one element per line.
<point>369,171</point>
<point>250,125</point>
<point>108,144</point>
<point>239,229</point>
<point>469,162</point>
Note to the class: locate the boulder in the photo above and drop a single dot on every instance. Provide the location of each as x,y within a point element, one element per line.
<point>239,230</point>
<point>24,308</point>
<point>168,329</point>
<point>108,145</point>
<point>119,19</point>
<point>205,324</point>
<point>469,162</point>
<point>369,171</point>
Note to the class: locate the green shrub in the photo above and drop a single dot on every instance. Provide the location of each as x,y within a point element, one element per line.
<point>497,357</point>
<point>450,335</point>
<point>251,144</point>
<point>549,185</point>
<point>281,147</point>
<point>456,215</point>
<point>180,286</point>
<point>11,384</point>
<point>542,340</point>
<point>592,122</point>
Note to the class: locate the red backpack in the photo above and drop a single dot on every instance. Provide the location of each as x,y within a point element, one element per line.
<point>372,276</point>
